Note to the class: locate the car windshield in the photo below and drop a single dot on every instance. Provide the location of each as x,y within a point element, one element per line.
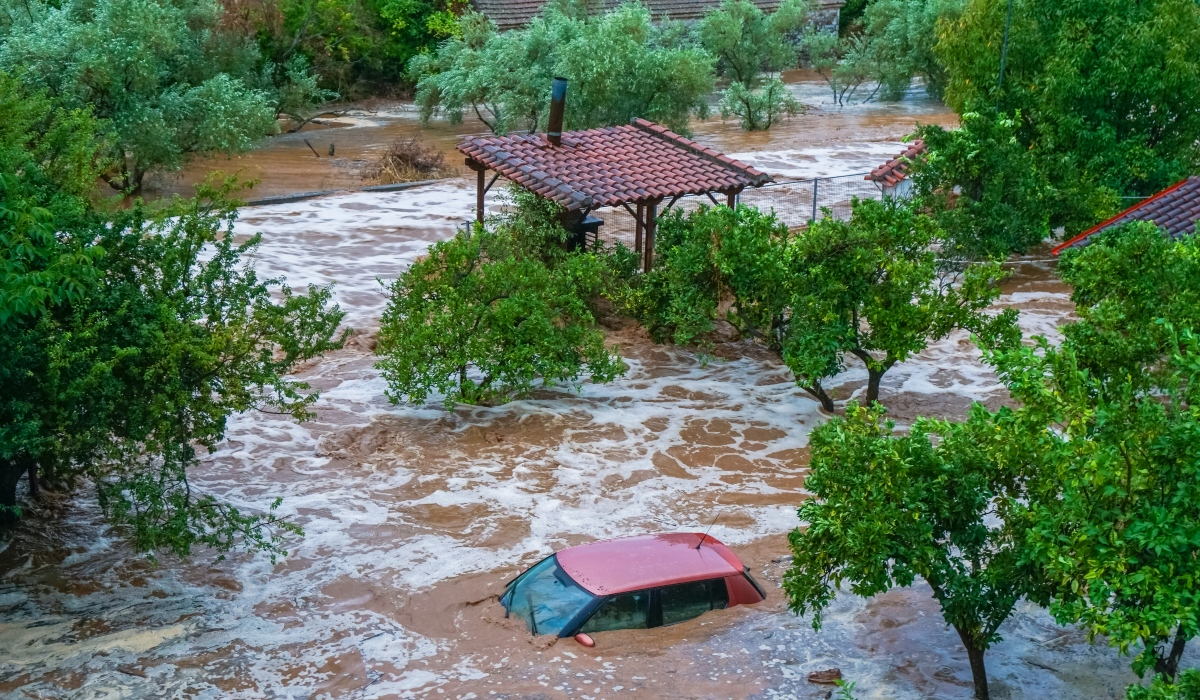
<point>546,598</point>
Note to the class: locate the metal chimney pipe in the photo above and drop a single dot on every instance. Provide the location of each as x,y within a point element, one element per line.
<point>558,102</point>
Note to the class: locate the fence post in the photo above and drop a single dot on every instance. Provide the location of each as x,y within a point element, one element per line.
<point>814,211</point>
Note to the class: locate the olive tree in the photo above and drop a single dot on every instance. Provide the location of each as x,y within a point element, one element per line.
<point>752,47</point>
<point>621,65</point>
<point>166,81</point>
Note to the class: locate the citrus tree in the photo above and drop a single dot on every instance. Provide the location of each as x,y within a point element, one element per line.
<point>493,312</point>
<point>935,503</point>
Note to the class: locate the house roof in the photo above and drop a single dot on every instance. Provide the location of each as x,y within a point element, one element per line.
<point>1176,210</point>
<point>511,14</point>
<point>647,561</point>
<point>640,161</point>
<point>896,169</point>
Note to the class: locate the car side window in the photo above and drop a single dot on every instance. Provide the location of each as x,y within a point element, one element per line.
<point>620,612</point>
<point>687,600</point>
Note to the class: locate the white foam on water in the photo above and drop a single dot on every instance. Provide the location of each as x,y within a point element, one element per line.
<point>823,161</point>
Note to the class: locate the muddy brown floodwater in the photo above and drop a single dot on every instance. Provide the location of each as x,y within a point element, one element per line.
<point>415,517</point>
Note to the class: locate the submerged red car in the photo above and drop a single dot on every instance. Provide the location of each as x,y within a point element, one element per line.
<point>629,583</point>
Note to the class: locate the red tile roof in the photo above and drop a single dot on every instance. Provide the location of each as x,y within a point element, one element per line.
<point>1176,210</point>
<point>511,14</point>
<point>603,167</point>
<point>896,169</point>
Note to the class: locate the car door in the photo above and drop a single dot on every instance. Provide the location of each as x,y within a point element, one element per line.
<point>624,611</point>
<point>684,601</point>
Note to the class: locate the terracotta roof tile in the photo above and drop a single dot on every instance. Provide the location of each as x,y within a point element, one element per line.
<point>511,14</point>
<point>604,167</point>
<point>1176,210</point>
<point>896,169</point>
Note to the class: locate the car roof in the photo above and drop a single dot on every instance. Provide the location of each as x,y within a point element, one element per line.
<point>647,561</point>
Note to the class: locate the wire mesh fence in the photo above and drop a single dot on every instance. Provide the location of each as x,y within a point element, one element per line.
<point>794,202</point>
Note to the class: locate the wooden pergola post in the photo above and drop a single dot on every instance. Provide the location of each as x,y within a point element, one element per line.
<point>480,190</point>
<point>637,228</point>
<point>651,210</point>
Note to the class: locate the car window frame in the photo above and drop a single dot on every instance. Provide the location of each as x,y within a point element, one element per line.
<point>571,628</point>
<point>654,617</point>
<point>709,581</point>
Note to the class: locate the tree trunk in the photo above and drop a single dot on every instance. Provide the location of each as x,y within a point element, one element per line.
<point>1170,665</point>
<point>35,487</point>
<point>873,380</point>
<point>10,474</point>
<point>818,392</point>
<point>978,670</point>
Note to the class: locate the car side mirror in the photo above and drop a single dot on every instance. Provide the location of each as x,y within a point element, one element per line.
<point>585,640</point>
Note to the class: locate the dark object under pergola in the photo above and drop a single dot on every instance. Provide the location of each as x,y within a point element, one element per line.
<point>636,166</point>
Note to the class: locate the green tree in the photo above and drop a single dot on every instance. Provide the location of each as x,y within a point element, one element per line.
<point>901,35</point>
<point>872,287</point>
<point>844,62</point>
<point>621,65</point>
<point>1125,280</point>
<point>1114,520</point>
<point>1187,687</point>
<point>127,341</point>
<point>982,186</point>
<point>489,313</point>
<point>757,110</point>
<point>166,81</point>
<point>1114,515</point>
<point>1106,90</point>
<point>935,503</point>
<point>749,43</point>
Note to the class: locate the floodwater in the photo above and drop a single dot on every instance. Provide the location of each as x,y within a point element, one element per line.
<point>827,140</point>
<point>415,517</point>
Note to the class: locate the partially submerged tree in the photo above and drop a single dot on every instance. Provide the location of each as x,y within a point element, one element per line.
<point>900,36</point>
<point>490,313</point>
<point>935,503</point>
<point>873,287</point>
<point>758,110</point>
<point>621,65</point>
<point>127,340</point>
<point>1113,516</point>
<point>752,48</point>
<point>120,382</point>
<point>750,44</point>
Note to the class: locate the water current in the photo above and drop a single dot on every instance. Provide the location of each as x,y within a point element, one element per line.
<point>415,517</point>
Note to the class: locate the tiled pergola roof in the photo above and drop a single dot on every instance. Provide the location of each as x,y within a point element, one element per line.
<point>1175,210</point>
<point>892,172</point>
<point>638,162</point>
